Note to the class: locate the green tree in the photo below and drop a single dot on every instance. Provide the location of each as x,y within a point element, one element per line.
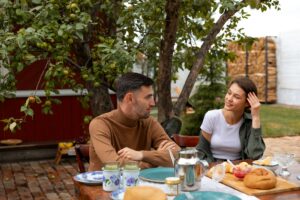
<point>201,26</point>
<point>76,38</point>
<point>99,39</point>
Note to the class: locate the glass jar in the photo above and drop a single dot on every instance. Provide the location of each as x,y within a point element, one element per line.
<point>173,185</point>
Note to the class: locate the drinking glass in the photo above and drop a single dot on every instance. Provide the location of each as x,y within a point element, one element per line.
<point>131,173</point>
<point>284,161</point>
<point>130,165</point>
<point>218,172</point>
<point>111,176</point>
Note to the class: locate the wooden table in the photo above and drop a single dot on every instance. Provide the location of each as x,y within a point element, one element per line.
<point>86,192</point>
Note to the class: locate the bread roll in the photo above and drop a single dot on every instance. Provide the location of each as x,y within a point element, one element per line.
<point>260,178</point>
<point>244,165</point>
<point>144,193</point>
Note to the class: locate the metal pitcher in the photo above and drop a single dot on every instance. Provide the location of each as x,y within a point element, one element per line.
<point>190,169</point>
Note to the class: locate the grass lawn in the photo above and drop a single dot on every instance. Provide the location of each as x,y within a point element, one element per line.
<point>279,120</point>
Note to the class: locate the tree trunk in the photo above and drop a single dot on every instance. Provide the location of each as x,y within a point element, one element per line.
<point>165,60</point>
<point>100,101</point>
<point>198,64</point>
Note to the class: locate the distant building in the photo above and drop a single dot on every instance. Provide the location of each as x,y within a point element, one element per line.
<point>288,67</point>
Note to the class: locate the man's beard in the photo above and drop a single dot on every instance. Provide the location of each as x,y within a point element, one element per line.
<point>145,116</point>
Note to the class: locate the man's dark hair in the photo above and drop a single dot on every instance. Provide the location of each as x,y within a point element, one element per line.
<point>130,82</point>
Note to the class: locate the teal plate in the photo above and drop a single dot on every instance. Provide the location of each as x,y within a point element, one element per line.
<point>208,195</point>
<point>157,175</point>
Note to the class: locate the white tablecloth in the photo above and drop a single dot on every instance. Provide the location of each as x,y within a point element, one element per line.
<point>207,184</point>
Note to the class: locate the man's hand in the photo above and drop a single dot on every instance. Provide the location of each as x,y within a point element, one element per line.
<point>166,144</point>
<point>130,154</point>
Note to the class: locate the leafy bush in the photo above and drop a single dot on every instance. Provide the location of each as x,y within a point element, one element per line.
<point>208,97</point>
<point>209,94</point>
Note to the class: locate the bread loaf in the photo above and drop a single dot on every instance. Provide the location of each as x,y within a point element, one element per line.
<point>144,193</point>
<point>260,178</point>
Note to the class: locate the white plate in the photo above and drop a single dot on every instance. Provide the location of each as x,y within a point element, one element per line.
<point>91,178</point>
<point>118,194</point>
<point>272,166</point>
<point>273,163</point>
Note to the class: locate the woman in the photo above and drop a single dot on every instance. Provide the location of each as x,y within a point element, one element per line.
<point>233,132</point>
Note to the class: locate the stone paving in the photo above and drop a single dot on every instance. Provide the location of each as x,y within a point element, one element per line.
<point>37,180</point>
<point>283,144</point>
<point>43,180</point>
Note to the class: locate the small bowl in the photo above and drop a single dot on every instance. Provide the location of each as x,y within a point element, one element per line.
<point>240,173</point>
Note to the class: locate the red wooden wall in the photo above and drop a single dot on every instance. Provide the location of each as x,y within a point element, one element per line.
<point>65,124</point>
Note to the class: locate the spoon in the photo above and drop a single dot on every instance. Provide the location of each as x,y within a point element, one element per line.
<point>232,165</point>
<point>172,156</point>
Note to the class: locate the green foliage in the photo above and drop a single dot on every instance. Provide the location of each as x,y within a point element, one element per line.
<point>88,43</point>
<point>7,85</point>
<point>59,32</point>
<point>13,124</point>
<point>208,97</point>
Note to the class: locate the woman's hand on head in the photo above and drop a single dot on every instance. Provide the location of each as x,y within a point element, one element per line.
<point>254,104</point>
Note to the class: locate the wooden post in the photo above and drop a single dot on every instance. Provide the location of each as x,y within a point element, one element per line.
<point>266,69</point>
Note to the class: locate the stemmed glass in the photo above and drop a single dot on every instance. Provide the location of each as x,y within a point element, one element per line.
<point>284,160</point>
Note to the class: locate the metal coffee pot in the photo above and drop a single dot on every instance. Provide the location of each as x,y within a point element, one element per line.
<point>190,169</point>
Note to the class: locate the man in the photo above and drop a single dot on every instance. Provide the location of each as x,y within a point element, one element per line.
<point>129,132</point>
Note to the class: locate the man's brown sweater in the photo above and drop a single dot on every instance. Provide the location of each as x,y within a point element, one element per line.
<point>114,131</point>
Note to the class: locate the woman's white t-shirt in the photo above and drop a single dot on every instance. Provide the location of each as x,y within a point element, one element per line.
<point>225,141</point>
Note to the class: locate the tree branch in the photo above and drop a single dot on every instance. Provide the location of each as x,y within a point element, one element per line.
<point>198,64</point>
<point>40,78</point>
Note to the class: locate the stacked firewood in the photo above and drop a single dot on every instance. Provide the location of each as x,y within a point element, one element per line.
<point>258,63</point>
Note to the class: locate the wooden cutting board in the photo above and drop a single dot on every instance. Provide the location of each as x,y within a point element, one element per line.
<point>281,186</point>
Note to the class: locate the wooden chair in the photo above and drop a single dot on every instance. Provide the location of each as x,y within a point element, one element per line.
<point>62,149</point>
<point>82,155</point>
<point>185,140</point>
<point>172,126</point>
